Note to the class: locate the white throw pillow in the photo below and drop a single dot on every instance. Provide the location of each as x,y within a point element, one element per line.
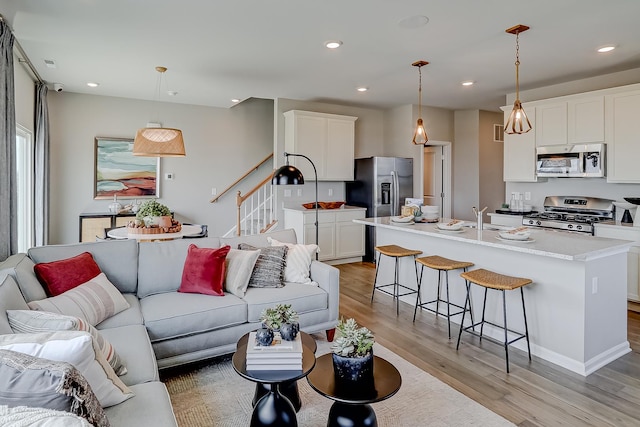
<point>299,257</point>
<point>79,349</point>
<point>39,417</point>
<point>239,267</point>
<point>33,321</point>
<point>93,301</point>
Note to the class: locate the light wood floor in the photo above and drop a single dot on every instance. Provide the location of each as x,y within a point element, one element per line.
<point>535,393</point>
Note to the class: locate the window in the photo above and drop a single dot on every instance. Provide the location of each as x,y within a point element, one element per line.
<point>25,172</point>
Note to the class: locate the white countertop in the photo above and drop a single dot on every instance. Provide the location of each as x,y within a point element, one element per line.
<point>549,243</point>
<point>300,208</point>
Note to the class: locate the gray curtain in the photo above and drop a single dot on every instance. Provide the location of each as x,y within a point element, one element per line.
<point>41,205</point>
<point>8,175</point>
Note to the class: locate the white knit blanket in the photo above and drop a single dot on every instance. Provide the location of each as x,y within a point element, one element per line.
<point>23,416</point>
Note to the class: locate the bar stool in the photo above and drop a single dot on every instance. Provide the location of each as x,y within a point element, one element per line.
<point>490,280</point>
<point>396,252</point>
<point>445,265</point>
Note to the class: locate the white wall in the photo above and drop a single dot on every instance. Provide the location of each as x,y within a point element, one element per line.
<point>593,187</point>
<point>492,187</point>
<point>221,145</point>
<point>466,165</point>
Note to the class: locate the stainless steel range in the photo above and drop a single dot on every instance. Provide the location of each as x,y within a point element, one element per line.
<point>572,213</point>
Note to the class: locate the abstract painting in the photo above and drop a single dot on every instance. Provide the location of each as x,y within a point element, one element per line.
<point>119,172</point>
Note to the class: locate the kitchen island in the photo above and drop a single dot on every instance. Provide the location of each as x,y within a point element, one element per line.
<point>576,306</point>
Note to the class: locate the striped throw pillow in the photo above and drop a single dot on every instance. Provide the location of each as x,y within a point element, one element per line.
<point>268,272</point>
<point>32,321</point>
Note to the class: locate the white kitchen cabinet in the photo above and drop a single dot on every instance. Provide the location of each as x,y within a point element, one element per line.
<point>585,124</point>
<point>340,239</point>
<point>551,124</point>
<point>623,146</point>
<point>520,151</point>
<point>633,257</point>
<point>327,139</point>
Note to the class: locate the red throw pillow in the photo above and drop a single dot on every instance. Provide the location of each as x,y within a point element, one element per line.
<point>203,271</point>
<point>60,276</point>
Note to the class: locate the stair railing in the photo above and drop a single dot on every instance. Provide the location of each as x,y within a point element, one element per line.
<point>237,181</point>
<point>255,210</point>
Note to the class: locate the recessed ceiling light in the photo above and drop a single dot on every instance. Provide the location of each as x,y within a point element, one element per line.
<point>50,63</point>
<point>332,44</point>
<point>235,100</point>
<point>604,49</point>
<point>172,92</point>
<point>468,83</point>
<point>93,84</point>
<point>362,89</point>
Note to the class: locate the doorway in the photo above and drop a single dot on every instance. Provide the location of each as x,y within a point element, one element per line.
<point>436,176</point>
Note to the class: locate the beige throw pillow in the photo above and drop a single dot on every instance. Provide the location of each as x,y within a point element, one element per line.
<point>239,267</point>
<point>299,257</point>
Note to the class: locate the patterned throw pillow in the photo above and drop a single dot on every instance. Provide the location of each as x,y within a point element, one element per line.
<point>29,381</point>
<point>60,276</point>
<point>93,301</point>
<point>269,269</point>
<point>299,259</point>
<point>32,321</point>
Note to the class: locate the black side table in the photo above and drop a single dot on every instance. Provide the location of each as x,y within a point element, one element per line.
<point>273,408</point>
<point>352,402</point>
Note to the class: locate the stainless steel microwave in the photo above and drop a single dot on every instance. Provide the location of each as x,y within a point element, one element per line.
<point>571,161</point>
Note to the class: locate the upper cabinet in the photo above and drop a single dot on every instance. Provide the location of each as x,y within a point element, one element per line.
<point>623,148</point>
<point>551,124</point>
<point>576,121</point>
<point>520,151</point>
<point>327,139</point>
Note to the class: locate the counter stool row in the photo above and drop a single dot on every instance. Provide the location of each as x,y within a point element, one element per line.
<point>481,277</point>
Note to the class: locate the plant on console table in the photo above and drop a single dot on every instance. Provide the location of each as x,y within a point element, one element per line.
<point>281,318</point>
<point>353,352</point>
<point>153,213</point>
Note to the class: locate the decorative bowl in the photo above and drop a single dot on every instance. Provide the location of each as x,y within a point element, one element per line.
<point>330,205</point>
<point>452,225</point>
<point>402,219</point>
<point>311,205</point>
<point>520,233</point>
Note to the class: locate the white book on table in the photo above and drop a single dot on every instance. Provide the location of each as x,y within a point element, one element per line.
<point>275,360</point>
<point>277,346</point>
<point>272,367</point>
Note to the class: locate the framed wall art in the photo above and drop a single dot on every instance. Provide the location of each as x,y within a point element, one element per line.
<point>118,172</point>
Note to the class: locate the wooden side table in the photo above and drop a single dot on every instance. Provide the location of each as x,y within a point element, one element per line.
<point>273,409</point>
<point>352,403</point>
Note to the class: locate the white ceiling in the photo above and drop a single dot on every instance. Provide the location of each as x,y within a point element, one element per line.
<point>218,50</point>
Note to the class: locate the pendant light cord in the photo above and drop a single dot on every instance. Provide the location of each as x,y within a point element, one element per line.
<point>518,65</point>
<point>420,92</point>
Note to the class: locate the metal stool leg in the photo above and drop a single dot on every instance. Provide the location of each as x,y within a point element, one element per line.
<point>418,297</point>
<point>396,288</point>
<point>484,306</point>
<point>375,279</point>
<point>438,294</point>
<point>473,327</point>
<point>464,311</point>
<point>448,305</point>
<point>526,328</point>
<point>506,338</point>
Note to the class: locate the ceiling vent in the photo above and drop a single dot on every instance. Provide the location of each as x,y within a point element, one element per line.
<point>50,63</point>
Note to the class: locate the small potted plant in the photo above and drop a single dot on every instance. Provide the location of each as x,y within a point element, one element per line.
<point>352,351</point>
<point>154,213</point>
<point>281,318</point>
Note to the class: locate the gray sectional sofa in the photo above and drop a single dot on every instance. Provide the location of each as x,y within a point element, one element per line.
<point>164,328</point>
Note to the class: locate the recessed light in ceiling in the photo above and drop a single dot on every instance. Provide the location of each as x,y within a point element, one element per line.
<point>605,49</point>
<point>362,89</point>
<point>50,63</point>
<point>172,92</point>
<point>468,83</point>
<point>93,84</point>
<point>416,21</point>
<point>235,100</point>
<point>332,44</point>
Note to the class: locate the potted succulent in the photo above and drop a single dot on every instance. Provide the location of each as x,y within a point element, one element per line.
<point>154,213</point>
<point>352,351</point>
<point>281,318</point>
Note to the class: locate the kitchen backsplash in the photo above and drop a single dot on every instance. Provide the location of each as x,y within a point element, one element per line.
<point>593,187</point>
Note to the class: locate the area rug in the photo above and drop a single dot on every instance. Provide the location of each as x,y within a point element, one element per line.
<point>215,395</point>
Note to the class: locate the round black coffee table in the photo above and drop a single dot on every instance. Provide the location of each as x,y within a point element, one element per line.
<point>273,408</point>
<point>351,407</point>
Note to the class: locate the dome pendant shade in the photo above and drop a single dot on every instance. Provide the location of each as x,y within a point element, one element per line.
<point>420,135</point>
<point>159,142</point>
<point>287,175</point>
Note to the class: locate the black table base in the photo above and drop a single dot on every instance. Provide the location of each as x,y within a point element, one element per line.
<point>273,410</point>
<point>287,389</point>
<point>348,415</point>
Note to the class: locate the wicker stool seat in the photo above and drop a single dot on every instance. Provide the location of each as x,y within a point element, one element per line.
<point>500,282</point>
<point>445,265</point>
<point>396,252</point>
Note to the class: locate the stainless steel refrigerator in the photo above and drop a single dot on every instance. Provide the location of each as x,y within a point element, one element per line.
<point>381,185</point>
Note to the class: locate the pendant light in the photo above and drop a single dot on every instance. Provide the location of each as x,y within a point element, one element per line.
<point>159,141</point>
<point>518,122</point>
<point>420,135</point>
